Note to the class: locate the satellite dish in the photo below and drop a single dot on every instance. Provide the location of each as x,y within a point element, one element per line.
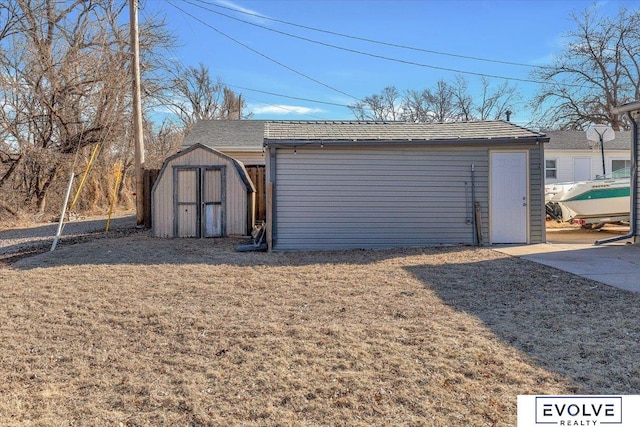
<point>600,133</point>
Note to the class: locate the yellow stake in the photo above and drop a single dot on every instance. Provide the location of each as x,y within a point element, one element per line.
<point>84,176</point>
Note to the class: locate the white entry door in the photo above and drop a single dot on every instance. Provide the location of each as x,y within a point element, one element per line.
<point>509,201</point>
<point>581,169</point>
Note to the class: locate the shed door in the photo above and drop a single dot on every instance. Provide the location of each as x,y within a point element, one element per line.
<point>186,203</point>
<point>509,197</point>
<point>199,195</point>
<point>212,203</point>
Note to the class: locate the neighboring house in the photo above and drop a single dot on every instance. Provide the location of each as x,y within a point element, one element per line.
<point>240,139</point>
<point>569,156</point>
<point>201,192</point>
<point>346,185</point>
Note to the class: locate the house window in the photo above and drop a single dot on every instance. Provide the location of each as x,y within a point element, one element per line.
<point>616,165</point>
<point>550,169</point>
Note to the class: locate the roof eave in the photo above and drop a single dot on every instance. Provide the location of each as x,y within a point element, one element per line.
<point>361,142</point>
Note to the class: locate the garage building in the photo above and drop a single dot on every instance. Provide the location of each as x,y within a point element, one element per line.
<point>347,185</point>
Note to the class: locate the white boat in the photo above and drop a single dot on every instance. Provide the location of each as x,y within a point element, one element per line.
<point>590,203</point>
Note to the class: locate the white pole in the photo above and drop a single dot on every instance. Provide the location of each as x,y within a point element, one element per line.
<point>64,210</point>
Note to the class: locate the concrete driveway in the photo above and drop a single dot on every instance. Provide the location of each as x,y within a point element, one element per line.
<point>573,250</point>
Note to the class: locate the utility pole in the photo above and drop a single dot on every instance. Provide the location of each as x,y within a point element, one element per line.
<point>137,110</point>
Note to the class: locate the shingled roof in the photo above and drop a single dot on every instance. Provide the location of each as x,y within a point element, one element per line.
<point>229,134</point>
<point>246,134</point>
<point>577,140</point>
<point>346,131</point>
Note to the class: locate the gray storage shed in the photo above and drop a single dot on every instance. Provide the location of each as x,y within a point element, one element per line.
<point>201,192</point>
<point>346,185</point>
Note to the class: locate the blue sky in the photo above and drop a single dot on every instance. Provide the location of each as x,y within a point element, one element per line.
<point>279,76</point>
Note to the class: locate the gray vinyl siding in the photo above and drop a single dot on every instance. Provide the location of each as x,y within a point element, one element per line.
<point>344,198</point>
<point>537,215</point>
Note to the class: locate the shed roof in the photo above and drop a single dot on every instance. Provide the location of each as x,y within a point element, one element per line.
<point>396,131</point>
<point>577,140</point>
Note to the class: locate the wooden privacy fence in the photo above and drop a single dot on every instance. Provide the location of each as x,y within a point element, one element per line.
<point>258,177</point>
<point>148,179</point>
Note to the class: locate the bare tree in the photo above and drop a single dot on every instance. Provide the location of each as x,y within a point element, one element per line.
<point>232,105</point>
<point>379,107</point>
<point>194,96</point>
<point>45,90</point>
<point>64,87</point>
<point>598,70</point>
<point>462,100</point>
<point>161,142</point>
<point>443,103</point>
<point>9,17</point>
<point>416,106</point>
<point>431,105</point>
<point>494,103</point>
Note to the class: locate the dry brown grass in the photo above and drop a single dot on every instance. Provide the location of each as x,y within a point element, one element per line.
<point>140,331</point>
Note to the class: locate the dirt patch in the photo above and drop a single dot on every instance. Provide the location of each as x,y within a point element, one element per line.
<point>33,238</point>
<point>143,331</point>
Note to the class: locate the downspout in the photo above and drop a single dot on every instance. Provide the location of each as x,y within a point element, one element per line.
<point>271,232</point>
<point>633,213</point>
<point>473,203</point>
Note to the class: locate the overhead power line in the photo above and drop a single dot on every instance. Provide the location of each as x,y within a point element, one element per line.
<point>359,52</point>
<point>364,39</point>
<point>262,54</point>
<point>289,96</point>
<point>280,95</point>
